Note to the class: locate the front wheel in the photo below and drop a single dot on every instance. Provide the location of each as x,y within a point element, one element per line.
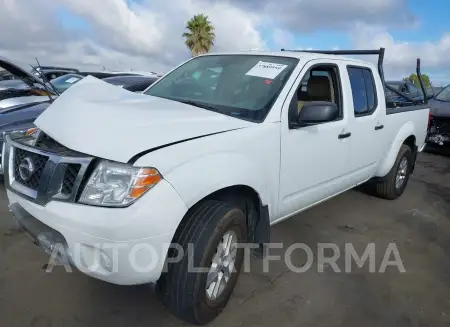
<point>209,237</point>
<point>394,183</point>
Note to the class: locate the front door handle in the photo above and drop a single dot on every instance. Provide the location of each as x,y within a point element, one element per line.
<point>378,127</point>
<point>344,136</point>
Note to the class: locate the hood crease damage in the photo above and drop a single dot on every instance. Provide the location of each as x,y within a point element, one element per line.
<point>108,122</point>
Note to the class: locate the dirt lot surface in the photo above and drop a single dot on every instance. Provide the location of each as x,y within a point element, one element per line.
<point>418,223</point>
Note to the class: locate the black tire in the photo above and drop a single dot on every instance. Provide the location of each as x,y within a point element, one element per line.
<point>386,187</point>
<point>184,292</point>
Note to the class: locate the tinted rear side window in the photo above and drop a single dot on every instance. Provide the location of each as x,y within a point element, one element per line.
<point>370,89</point>
<point>358,90</point>
<point>363,90</point>
<point>413,90</point>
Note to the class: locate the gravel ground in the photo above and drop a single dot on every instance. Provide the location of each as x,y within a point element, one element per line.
<point>418,223</point>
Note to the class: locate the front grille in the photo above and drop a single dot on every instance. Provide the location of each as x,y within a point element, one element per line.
<point>56,171</point>
<point>38,161</point>
<point>46,142</point>
<point>69,178</point>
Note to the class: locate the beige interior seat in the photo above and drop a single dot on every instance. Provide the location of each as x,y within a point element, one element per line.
<point>319,89</point>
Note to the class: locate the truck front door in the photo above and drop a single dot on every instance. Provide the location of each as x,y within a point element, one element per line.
<point>314,159</point>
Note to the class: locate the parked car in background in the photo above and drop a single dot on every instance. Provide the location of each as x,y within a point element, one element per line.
<point>20,118</point>
<point>439,128</point>
<point>105,74</point>
<point>5,75</point>
<point>51,72</point>
<point>434,90</point>
<point>132,83</point>
<point>16,84</point>
<point>31,89</point>
<point>62,83</point>
<point>206,165</point>
<point>141,73</point>
<point>405,87</point>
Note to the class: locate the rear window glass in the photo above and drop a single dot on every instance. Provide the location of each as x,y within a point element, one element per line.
<point>363,90</point>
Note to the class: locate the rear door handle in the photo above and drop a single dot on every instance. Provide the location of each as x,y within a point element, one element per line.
<point>344,136</point>
<point>378,127</point>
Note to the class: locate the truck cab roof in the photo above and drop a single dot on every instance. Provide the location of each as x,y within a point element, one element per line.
<point>298,54</point>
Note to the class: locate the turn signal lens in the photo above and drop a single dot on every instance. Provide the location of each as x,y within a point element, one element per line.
<point>148,177</point>
<point>31,131</point>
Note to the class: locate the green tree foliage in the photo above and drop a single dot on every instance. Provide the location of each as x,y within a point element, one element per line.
<point>414,79</point>
<point>200,36</point>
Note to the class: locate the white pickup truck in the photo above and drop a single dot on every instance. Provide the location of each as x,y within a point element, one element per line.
<point>209,157</point>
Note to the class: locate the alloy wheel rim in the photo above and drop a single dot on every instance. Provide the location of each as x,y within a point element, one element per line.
<point>402,172</point>
<point>222,266</point>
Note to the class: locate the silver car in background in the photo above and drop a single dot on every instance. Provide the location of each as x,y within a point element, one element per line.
<point>29,88</point>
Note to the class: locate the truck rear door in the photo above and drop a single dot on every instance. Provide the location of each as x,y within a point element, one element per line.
<point>367,121</point>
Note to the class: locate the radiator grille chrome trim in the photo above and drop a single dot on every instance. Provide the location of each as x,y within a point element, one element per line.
<point>51,181</point>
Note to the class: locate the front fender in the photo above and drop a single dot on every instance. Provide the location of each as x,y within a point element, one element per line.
<point>196,179</point>
<point>406,131</point>
<point>248,157</point>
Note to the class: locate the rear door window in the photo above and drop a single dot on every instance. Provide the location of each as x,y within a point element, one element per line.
<point>363,90</point>
<point>412,89</point>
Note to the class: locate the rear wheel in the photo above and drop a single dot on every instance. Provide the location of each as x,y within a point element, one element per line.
<point>393,184</point>
<point>209,237</point>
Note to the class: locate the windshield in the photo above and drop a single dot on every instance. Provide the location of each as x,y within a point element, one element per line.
<point>62,83</point>
<point>242,86</point>
<point>444,95</point>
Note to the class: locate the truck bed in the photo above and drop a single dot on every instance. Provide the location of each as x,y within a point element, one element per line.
<point>391,111</point>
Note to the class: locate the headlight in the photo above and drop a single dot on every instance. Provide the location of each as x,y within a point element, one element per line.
<point>118,185</point>
<point>20,132</point>
<point>27,135</point>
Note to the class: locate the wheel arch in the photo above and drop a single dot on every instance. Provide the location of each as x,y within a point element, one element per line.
<point>404,136</point>
<point>249,200</point>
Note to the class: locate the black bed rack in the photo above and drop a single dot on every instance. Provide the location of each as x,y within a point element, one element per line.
<point>380,54</point>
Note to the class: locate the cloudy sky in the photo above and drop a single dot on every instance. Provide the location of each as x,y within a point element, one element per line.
<point>146,34</point>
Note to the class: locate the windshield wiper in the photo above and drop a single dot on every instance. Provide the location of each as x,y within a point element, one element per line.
<point>45,81</point>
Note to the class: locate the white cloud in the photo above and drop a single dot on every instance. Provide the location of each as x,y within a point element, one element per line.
<point>313,15</point>
<point>122,34</point>
<point>146,34</point>
<point>282,38</point>
<point>401,56</point>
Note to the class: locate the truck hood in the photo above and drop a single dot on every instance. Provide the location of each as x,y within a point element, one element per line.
<point>106,121</point>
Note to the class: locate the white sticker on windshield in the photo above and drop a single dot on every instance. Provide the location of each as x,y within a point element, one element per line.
<point>266,70</point>
<point>72,80</point>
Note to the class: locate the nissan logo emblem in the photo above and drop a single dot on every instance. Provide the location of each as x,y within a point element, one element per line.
<point>26,169</point>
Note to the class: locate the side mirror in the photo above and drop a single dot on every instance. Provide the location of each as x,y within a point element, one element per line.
<point>317,112</point>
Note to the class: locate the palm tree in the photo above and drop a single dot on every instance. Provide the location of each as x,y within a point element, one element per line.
<point>200,36</point>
